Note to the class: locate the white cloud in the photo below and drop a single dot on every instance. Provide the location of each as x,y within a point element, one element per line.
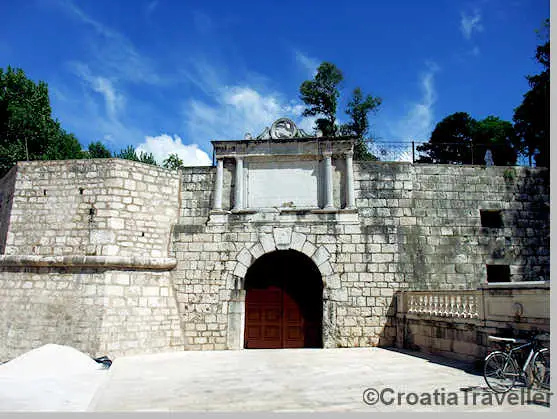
<point>238,110</point>
<point>308,63</point>
<point>114,100</point>
<point>470,23</point>
<point>417,124</point>
<point>114,54</point>
<point>163,145</point>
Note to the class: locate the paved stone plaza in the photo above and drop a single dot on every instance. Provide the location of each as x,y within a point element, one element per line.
<point>300,380</point>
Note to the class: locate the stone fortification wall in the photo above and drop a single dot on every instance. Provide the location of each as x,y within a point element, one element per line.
<point>86,259</point>
<point>428,217</point>
<point>120,257</point>
<point>6,197</point>
<point>98,311</point>
<point>417,227</point>
<point>99,207</point>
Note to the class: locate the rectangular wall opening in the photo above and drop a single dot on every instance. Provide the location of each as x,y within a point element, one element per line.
<point>498,273</point>
<point>491,218</point>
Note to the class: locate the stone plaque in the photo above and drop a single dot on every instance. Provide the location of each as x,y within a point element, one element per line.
<point>282,184</point>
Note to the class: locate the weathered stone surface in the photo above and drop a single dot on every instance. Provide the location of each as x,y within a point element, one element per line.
<point>282,238</point>
<point>127,264</point>
<point>297,241</point>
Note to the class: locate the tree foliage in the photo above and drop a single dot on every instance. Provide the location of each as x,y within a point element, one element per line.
<point>129,153</point>
<point>460,139</point>
<point>173,162</point>
<point>97,150</point>
<point>531,118</point>
<point>27,129</point>
<point>321,98</point>
<point>358,109</point>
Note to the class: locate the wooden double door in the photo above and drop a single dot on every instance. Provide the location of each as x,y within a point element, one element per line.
<point>283,306</point>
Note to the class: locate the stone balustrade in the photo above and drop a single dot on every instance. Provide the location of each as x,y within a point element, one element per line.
<point>465,304</point>
<point>456,323</point>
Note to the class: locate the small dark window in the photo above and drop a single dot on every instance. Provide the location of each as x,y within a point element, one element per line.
<point>498,273</point>
<point>81,191</point>
<point>44,192</point>
<point>491,218</point>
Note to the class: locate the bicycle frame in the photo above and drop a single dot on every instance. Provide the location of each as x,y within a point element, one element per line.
<point>533,349</point>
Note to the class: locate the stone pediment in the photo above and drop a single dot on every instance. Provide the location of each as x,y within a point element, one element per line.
<point>282,128</point>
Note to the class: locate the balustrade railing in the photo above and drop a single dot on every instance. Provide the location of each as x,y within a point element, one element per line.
<point>453,304</point>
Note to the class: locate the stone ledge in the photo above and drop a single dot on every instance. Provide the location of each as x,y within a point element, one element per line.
<point>79,261</point>
<point>516,285</point>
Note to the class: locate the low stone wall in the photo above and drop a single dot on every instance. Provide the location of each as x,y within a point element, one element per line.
<point>98,311</point>
<point>456,324</point>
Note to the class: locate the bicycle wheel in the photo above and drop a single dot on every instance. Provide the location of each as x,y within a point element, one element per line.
<point>500,371</point>
<point>541,367</point>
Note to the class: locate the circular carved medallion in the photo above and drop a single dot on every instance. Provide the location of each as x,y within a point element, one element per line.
<point>283,128</point>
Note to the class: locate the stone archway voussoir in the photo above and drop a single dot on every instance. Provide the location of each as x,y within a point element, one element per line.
<point>326,269</point>
<point>267,243</point>
<point>320,255</point>
<point>297,241</point>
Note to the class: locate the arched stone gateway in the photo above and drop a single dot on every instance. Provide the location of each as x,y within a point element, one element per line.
<point>283,302</point>
<point>301,276</point>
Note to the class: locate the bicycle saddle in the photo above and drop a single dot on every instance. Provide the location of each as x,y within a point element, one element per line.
<point>505,340</point>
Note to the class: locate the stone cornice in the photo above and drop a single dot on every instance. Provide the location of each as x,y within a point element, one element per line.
<point>80,261</point>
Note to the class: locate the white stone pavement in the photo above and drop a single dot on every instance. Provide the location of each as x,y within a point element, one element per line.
<point>302,380</point>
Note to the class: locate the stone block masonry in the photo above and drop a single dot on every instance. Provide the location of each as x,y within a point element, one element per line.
<point>119,257</point>
<point>98,311</point>
<point>103,207</point>
<point>85,260</point>
<point>417,227</point>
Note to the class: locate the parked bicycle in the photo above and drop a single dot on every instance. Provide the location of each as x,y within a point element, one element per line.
<point>501,368</point>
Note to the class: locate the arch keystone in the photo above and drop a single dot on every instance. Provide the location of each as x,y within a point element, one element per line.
<point>282,237</point>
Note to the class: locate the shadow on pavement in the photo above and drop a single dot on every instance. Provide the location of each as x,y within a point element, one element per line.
<point>468,367</point>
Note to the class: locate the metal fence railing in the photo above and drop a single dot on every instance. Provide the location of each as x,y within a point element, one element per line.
<point>448,153</point>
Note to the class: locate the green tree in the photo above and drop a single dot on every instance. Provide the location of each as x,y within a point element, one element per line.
<point>531,118</point>
<point>321,97</point>
<point>460,139</point>
<point>27,129</point>
<point>358,109</point>
<point>173,162</point>
<point>97,150</point>
<point>129,153</point>
<point>499,137</point>
<point>147,158</point>
<point>450,141</point>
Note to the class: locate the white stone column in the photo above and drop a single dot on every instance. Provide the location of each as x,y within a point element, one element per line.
<point>350,199</point>
<point>328,180</point>
<point>239,184</point>
<point>217,198</point>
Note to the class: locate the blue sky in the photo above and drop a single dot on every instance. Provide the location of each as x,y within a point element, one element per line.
<point>169,76</point>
